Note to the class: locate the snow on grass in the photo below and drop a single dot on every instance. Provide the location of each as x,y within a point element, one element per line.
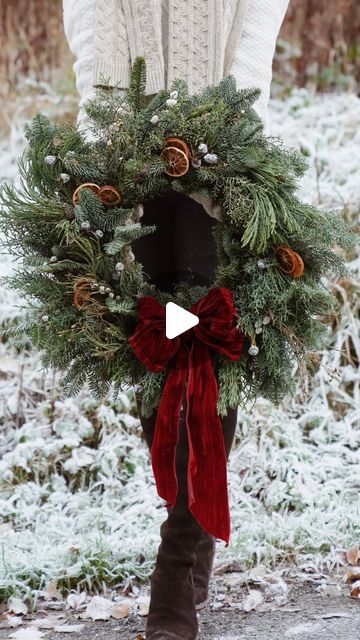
<point>78,500</point>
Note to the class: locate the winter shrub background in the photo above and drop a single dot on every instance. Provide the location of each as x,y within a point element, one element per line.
<point>78,502</point>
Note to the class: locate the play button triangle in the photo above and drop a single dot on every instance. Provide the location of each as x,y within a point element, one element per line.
<point>178,320</point>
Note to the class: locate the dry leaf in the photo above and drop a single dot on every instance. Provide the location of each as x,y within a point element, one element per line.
<point>355,590</point>
<point>252,600</point>
<point>143,603</point>
<point>352,575</point>
<point>28,633</point>
<point>329,589</point>
<point>47,623</point>
<point>130,588</point>
<point>228,567</point>
<point>10,622</point>
<point>340,554</point>
<point>51,591</point>
<point>69,628</point>
<point>73,548</point>
<point>99,608</point>
<point>76,600</point>
<point>276,589</point>
<point>16,605</point>
<point>120,609</point>
<point>353,554</point>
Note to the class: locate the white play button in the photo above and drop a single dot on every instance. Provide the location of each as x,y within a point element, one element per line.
<point>178,320</point>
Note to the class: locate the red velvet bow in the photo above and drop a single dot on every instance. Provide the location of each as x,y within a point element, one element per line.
<point>189,359</point>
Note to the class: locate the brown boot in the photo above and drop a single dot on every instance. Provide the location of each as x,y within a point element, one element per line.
<point>200,572</point>
<point>172,613</point>
<point>202,569</point>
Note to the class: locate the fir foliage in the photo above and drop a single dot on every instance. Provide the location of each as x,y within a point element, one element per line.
<point>62,246</point>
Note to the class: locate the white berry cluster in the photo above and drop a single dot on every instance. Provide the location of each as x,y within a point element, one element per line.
<point>210,158</point>
<point>172,101</point>
<point>260,322</point>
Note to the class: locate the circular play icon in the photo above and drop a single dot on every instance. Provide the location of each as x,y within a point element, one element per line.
<point>178,320</point>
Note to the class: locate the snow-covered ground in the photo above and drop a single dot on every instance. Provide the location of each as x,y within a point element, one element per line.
<point>78,501</point>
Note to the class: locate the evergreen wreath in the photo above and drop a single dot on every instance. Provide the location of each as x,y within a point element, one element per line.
<point>77,215</point>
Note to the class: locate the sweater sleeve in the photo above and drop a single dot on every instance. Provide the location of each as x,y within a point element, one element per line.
<point>252,63</point>
<point>80,18</point>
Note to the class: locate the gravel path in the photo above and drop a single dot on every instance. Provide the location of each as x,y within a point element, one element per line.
<point>309,612</point>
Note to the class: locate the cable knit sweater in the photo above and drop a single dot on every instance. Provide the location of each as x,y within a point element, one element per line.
<point>197,40</point>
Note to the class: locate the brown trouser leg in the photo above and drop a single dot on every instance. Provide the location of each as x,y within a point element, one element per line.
<point>181,249</point>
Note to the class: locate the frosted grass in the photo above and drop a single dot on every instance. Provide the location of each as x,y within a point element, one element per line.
<point>78,501</point>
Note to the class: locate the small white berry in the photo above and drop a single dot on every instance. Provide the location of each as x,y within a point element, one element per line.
<point>119,266</point>
<point>258,330</point>
<point>174,94</point>
<point>261,264</point>
<point>109,143</point>
<point>53,259</point>
<point>99,233</point>
<point>211,158</point>
<point>242,111</point>
<point>171,102</point>
<point>64,177</point>
<point>203,148</point>
<point>138,388</point>
<point>102,288</point>
<point>196,163</point>
<point>44,318</point>
<point>85,225</point>
<point>50,159</point>
<point>266,320</point>
<point>111,295</point>
<point>258,323</point>
<point>154,119</point>
<point>254,350</point>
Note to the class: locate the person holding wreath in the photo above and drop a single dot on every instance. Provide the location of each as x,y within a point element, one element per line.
<point>199,41</point>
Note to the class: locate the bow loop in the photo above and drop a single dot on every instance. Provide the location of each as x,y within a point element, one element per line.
<point>149,341</point>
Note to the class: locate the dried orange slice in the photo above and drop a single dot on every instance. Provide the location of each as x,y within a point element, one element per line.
<point>177,161</point>
<point>179,144</point>
<point>290,261</point>
<point>109,195</point>
<point>82,292</point>
<point>87,185</point>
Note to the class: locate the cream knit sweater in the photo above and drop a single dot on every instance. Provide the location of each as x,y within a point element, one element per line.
<point>197,40</point>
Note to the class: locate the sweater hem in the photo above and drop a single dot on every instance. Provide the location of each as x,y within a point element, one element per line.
<point>104,71</point>
<point>155,80</point>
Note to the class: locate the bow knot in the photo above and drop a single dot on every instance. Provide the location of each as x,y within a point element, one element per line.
<point>188,358</point>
